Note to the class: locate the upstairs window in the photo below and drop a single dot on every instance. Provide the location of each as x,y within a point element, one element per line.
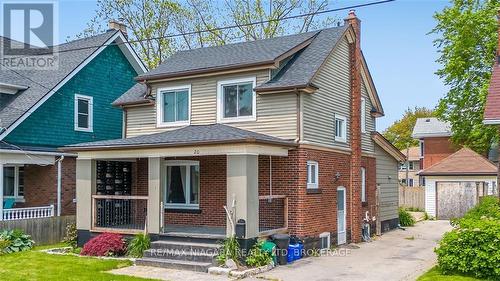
<point>174,106</point>
<point>236,100</point>
<point>421,148</point>
<point>340,128</point>
<point>312,174</point>
<point>363,115</point>
<point>83,113</point>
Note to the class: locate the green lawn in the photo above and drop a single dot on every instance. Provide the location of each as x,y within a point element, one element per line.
<point>35,265</point>
<point>435,275</point>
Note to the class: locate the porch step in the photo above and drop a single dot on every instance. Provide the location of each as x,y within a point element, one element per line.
<point>182,255</point>
<point>175,264</point>
<point>184,245</point>
<point>192,237</point>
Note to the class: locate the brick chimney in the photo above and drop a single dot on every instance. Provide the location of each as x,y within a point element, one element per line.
<point>355,128</point>
<point>117,25</point>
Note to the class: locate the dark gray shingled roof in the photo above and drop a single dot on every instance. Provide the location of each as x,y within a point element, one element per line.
<point>298,71</point>
<point>244,53</point>
<point>301,69</point>
<point>24,148</point>
<point>133,95</point>
<point>12,107</point>
<point>194,134</point>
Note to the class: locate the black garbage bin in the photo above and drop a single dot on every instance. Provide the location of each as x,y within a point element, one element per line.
<point>282,241</point>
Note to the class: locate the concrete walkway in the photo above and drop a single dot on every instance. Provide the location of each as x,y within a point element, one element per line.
<point>397,255</point>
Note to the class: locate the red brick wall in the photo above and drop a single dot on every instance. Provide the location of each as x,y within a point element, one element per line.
<point>40,186</point>
<point>212,194</point>
<point>436,149</point>
<point>370,205</point>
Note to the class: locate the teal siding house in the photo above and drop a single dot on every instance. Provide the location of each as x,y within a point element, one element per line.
<point>41,110</point>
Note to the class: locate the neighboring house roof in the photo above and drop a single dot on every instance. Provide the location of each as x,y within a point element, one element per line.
<point>42,84</point>
<point>297,59</point>
<point>431,127</point>
<point>492,107</point>
<point>413,153</point>
<point>386,145</point>
<point>190,135</point>
<point>463,162</point>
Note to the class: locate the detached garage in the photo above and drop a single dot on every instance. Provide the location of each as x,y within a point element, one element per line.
<point>456,184</point>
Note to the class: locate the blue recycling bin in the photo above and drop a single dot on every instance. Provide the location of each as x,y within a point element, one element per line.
<point>294,252</point>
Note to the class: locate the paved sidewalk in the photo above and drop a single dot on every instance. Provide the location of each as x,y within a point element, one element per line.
<point>395,256</point>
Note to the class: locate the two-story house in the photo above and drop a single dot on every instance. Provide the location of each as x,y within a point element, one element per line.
<point>408,170</point>
<point>41,110</point>
<point>454,177</point>
<point>275,135</point>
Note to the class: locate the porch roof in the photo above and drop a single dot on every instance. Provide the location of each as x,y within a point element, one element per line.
<point>186,136</point>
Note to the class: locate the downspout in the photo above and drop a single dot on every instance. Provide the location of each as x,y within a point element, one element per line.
<point>270,179</point>
<point>59,184</point>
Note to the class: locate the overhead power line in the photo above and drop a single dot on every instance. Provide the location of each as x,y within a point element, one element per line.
<point>231,26</point>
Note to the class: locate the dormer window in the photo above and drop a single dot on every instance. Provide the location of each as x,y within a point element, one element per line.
<point>173,107</point>
<point>236,100</point>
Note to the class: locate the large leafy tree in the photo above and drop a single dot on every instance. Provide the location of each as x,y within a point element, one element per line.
<point>399,133</point>
<point>467,41</point>
<point>152,23</point>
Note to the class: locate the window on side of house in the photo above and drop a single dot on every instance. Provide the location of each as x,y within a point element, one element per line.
<point>182,184</point>
<point>174,106</point>
<point>236,100</point>
<point>411,165</point>
<point>363,115</point>
<point>312,174</point>
<point>410,182</point>
<point>421,148</point>
<point>340,128</point>
<point>83,113</point>
<point>13,182</point>
<point>363,185</point>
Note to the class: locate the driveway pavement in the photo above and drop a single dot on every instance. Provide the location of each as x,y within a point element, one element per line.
<point>396,255</point>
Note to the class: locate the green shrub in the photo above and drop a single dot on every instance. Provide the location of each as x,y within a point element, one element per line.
<point>230,249</point>
<point>18,241</point>
<point>473,247</point>
<point>71,235</point>
<point>3,245</point>
<point>405,219</point>
<point>257,257</point>
<point>138,245</point>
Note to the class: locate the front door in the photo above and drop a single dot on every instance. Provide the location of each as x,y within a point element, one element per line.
<point>341,218</point>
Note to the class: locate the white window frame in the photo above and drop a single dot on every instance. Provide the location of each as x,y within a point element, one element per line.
<point>422,148</point>
<point>220,100</point>
<point>310,184</point>
<point>16,196</point>
<point>363,184</point>
<point>363,115</point>
<point>344,129</point>
<point>90,101</point>
<point>187,164</point>
<point>326,235</point>
<point>159,107</point>
<point>410,182</point>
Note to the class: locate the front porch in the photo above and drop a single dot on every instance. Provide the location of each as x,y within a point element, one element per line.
<point>31,184</point>
<point>181,191</point>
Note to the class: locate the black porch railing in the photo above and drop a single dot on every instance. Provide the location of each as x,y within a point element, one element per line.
<point>119,213</point>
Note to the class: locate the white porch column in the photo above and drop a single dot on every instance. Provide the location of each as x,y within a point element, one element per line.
<point>1,191</point>
<point>242,186</point>
<point>154,195</point>
<point>85,187</point>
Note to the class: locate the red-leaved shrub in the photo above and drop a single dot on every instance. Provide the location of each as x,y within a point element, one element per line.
<point>106,244</point>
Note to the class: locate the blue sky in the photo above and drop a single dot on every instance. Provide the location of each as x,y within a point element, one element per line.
<point>400,54</point>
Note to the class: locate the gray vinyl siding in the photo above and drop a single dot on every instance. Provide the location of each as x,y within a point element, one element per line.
<point>367,143</point>
<point>276,113</point>
<point>333,97</point>
<point>387,178</point>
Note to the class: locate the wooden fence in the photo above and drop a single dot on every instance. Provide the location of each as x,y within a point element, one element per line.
<point>43,231</point>
<point>412,197</point>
